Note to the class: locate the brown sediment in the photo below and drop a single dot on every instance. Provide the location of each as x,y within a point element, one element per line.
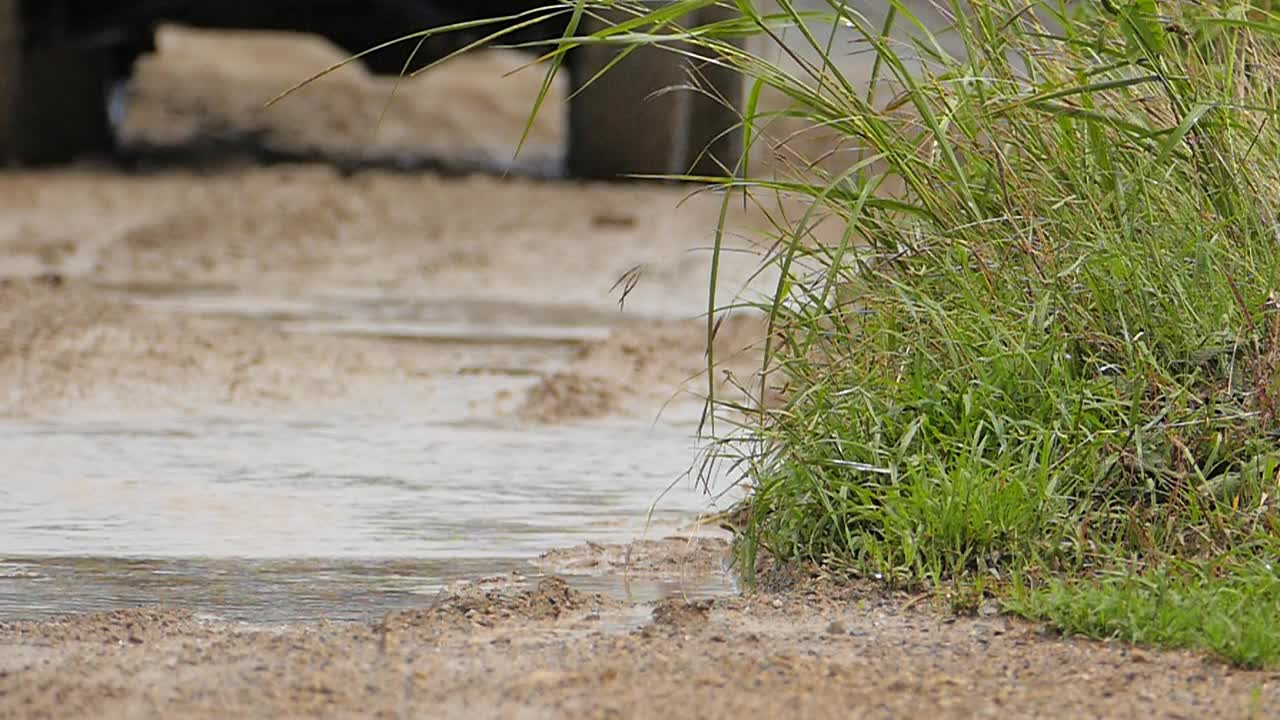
<point>488,604</point>
<point>643,366</point>
<point>819,649</point>
<point>672,556</point>
<point>67,348</point>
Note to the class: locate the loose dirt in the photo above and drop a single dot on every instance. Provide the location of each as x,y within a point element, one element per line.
<point>64,347</point>
<point>634,369</point>
<point>501,649</point>
<point>207,287</point>
<point>675,556</point>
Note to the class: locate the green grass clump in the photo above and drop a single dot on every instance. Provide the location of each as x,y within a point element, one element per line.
<point>1048,352</point>
<point>1233,615</point>
<point>1043,354</point>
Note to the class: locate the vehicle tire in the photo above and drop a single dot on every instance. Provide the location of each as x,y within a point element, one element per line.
<point>10,64</point>
<point>619,126</point>
<point>53,103</point>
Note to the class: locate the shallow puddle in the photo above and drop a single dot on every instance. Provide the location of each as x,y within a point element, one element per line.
<point>340,517</point>
<point>275,517</point>
<point>276,591</point>
<point>470,320</point>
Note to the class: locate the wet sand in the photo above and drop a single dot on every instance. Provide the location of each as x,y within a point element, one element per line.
<point>279,289</point>
<point>499,648</point>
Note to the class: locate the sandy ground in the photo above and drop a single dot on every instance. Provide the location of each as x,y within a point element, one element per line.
<point>499,648</point>
<point>118,297</point>
<point>224,233</point>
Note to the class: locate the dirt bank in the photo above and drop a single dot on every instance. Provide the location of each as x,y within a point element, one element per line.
<point>546,650</point>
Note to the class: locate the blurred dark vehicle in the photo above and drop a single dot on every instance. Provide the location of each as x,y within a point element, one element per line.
<point>60,60</point>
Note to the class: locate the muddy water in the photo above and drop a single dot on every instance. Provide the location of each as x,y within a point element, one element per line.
<point>462,320</point>
<point>288,516</point>
<point>272,519</point>
<point>337,450</point>
<point>342,487</point>
<point>276,394</point>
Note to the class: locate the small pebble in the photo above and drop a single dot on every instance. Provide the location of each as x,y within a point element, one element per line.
<point>777,604</point>
<point>836,628</point>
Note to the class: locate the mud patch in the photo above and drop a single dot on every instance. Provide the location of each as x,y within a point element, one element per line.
<point>680,614</point>
<point>487,605</point>
<point>65,347</point>
<point>569,396</point>
<point>118,627</point>
<point>671,557</point>
<point>648,365</point>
